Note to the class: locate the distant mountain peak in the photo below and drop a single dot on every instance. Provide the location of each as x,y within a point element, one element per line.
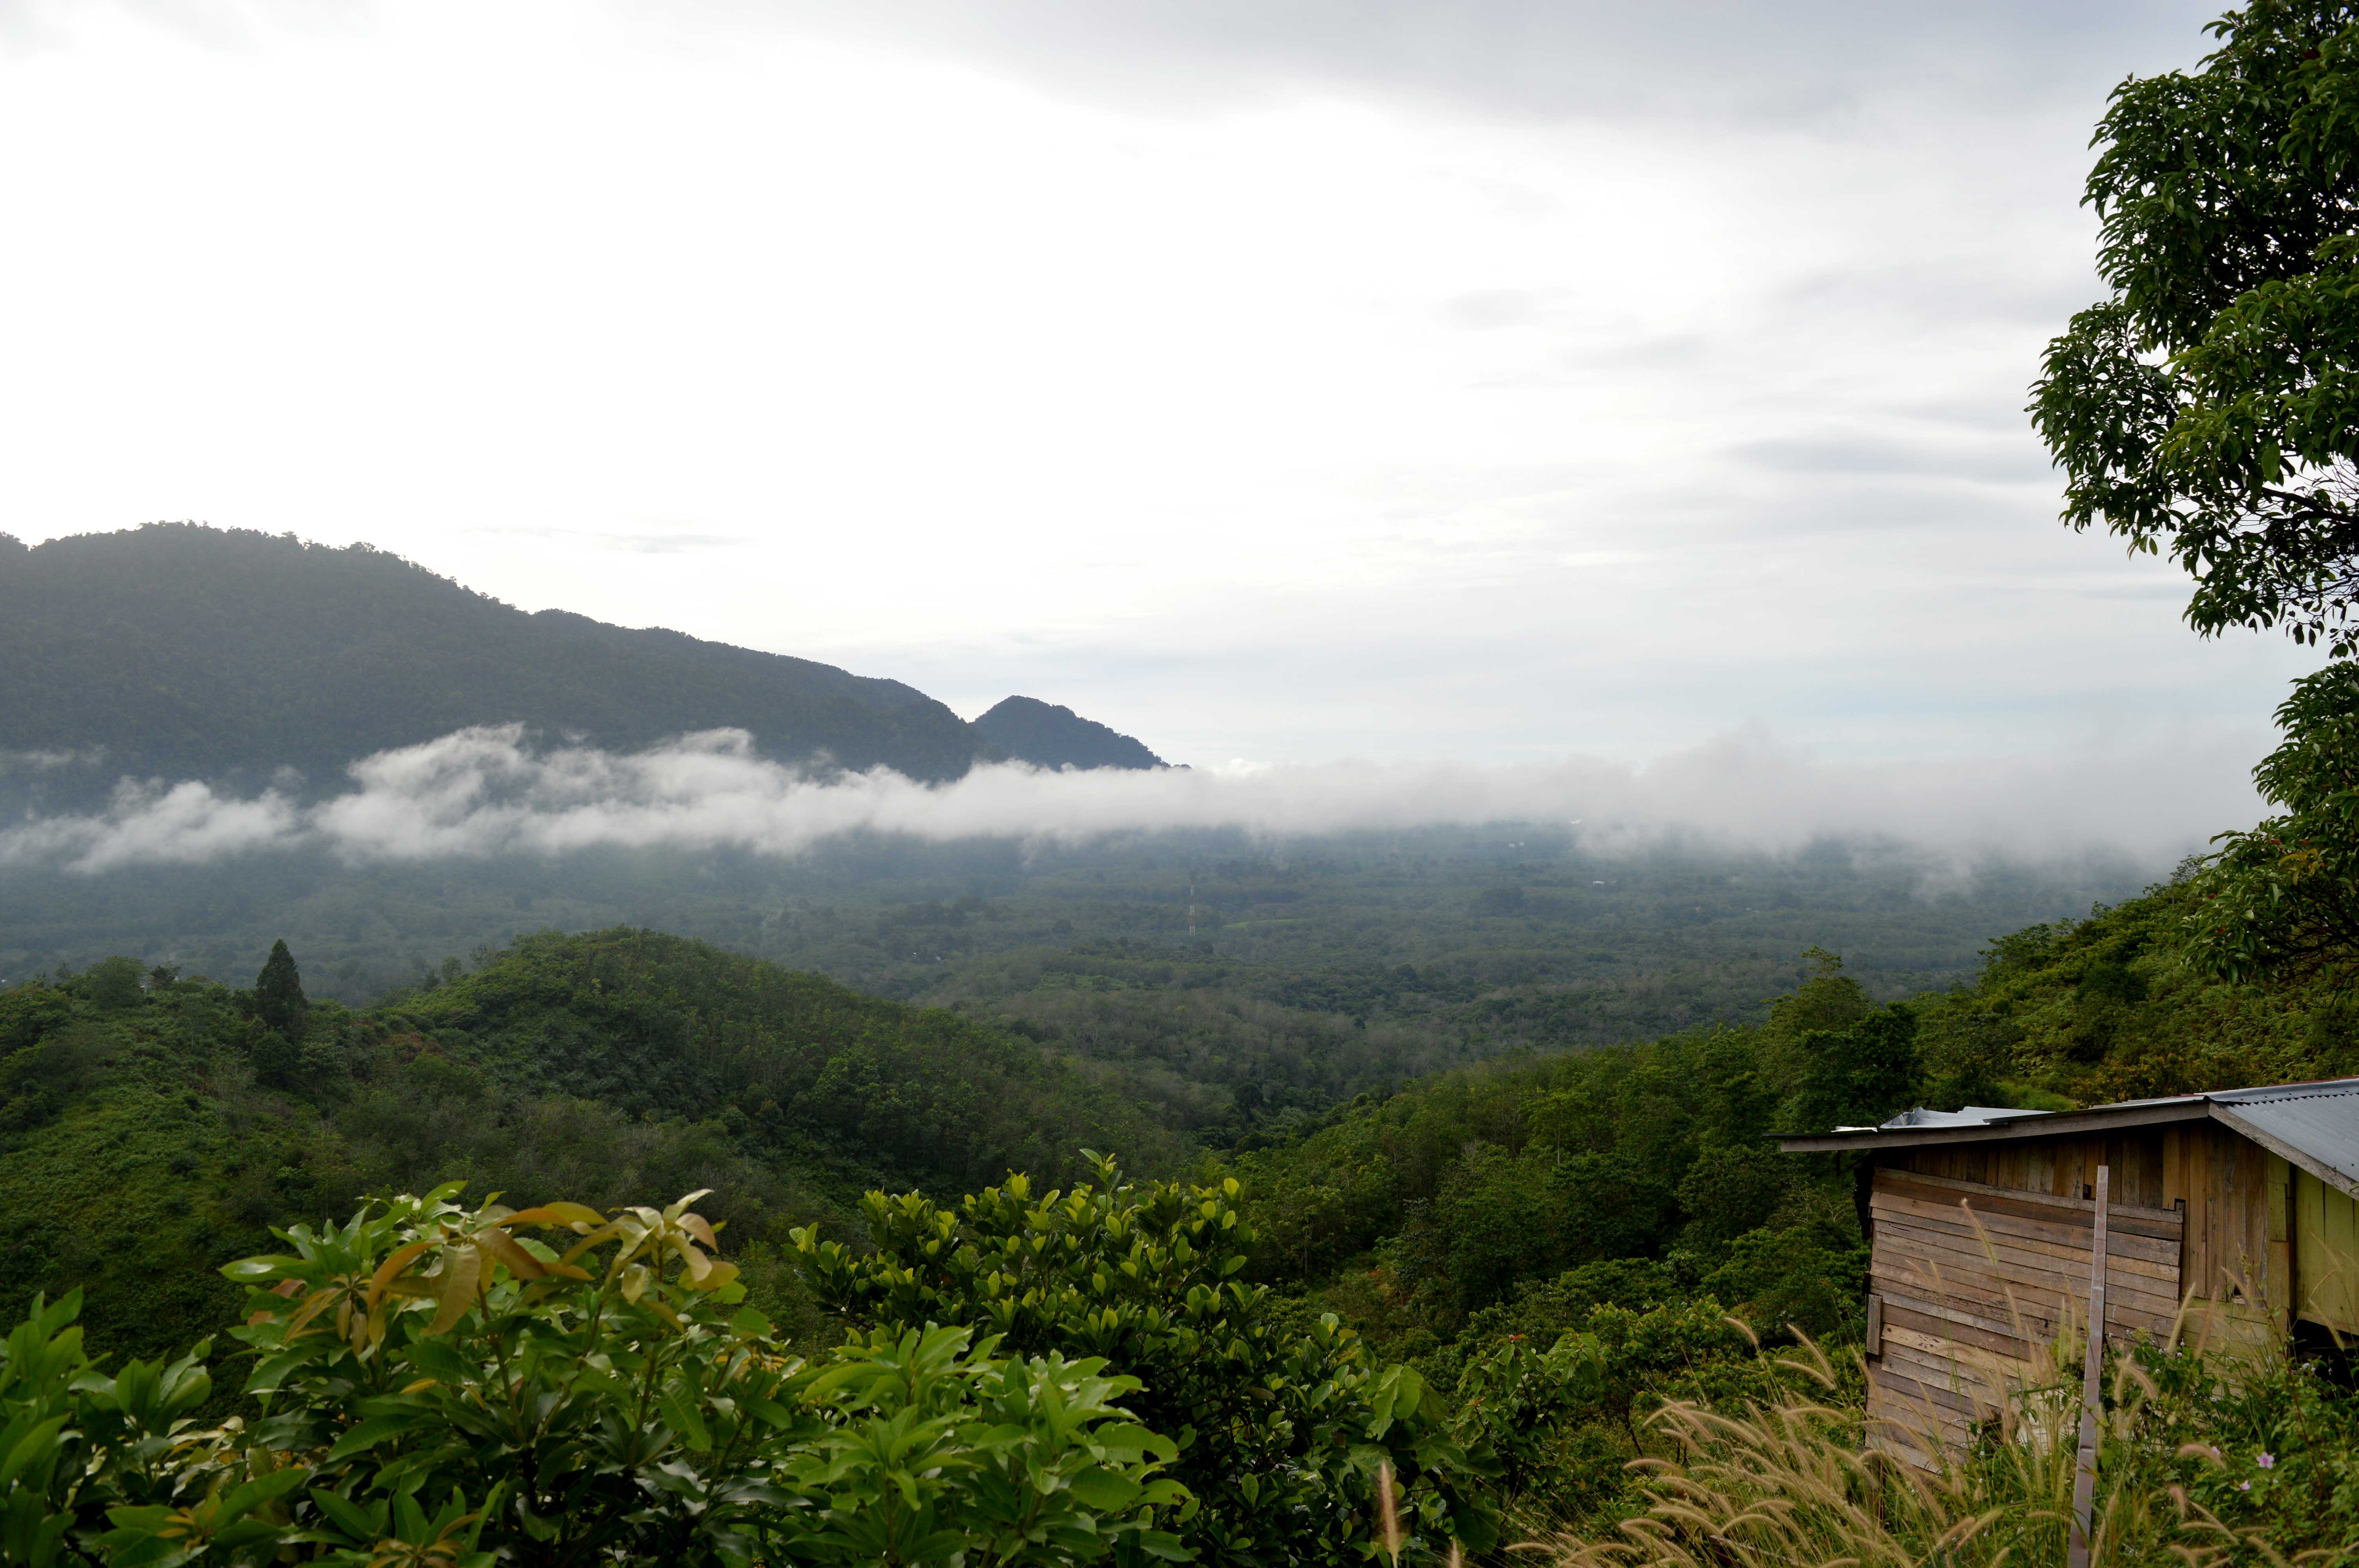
<point>1049,735</point>
<point>189,652</point>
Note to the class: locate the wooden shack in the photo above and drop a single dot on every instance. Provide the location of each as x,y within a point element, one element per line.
<point>2232,1219</point>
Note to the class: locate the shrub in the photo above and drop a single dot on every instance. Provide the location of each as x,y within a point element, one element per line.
<point>1281,1437</point>
<point>440,1387</point>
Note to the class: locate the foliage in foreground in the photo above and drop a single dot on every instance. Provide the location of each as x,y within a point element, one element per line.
<point>444,1387</point>
<point>2203,1460</point>
<point>436,1384</point>
<point>1282,1437</point>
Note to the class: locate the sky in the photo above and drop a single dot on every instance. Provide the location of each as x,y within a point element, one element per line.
<point>1472,384</point>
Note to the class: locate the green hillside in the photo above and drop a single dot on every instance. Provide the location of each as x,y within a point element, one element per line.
<point>152,1127</point>
<point>1435,1214</point>
<point>186,652</point>
<point>800,1069</point>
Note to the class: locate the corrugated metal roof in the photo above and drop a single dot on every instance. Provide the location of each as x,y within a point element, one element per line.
<point>2321,1120</point>
<point>1972,1116</point>
<point>2315,1125</point>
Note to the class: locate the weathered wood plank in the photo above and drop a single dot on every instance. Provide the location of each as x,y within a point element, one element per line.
<point>1905,1265</point>
<point>2068,1203</point>
<point>2160,1253</point>
<point>2049,1225</point>
<point>1989,1245</point>
<point>1977,1387</point>
<point>1939,1309</point>
<point>1921,1387</point>
<point>1925,1325</point>
<point>2021,1264</point>
<point>2009,1359</point>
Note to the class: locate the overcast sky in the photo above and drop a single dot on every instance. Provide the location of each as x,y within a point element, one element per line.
<point>1479,382</point>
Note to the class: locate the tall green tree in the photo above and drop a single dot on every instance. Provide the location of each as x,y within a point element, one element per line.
<point>2282,899</point>
<point>278,1000</point>
<point>2210,406</point>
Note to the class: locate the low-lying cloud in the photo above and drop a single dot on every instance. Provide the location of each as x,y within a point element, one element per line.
<point>488,791</point>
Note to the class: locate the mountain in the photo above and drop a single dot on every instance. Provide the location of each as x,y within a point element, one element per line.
<point>1050,736</point>
<point>179,651</point>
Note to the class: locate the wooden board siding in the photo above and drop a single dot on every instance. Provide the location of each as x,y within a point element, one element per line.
<point>1976,1278</point>
<point>2326,1255</point>
<point>2237,1196</point>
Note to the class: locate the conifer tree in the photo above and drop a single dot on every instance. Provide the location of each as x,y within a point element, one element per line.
<point>278,1000</point>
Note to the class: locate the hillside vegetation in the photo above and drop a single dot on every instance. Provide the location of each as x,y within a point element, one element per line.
<point>1505,1281</point>
<point>1460,1191</point>
<point>152,1127</point>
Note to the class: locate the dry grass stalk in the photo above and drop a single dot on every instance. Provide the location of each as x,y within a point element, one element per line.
<point>1388,1511</point>
<point>1801,1484</point>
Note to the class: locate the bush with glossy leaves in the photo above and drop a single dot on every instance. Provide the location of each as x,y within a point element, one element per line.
<point>1282,1437</point>
<point>445,1387</point>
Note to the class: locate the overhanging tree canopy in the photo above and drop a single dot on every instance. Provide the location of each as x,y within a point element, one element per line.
<point>2210,406</point>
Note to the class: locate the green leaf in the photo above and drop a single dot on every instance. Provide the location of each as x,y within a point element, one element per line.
<point>679,1413</point>
<point>366,1434</point>
<point>363,1526</point>
<point>1104,1490</point>
<point>1134,1440</point>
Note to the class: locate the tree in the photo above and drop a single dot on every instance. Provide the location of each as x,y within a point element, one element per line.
<point>1282,1433</point>
<point>1855,1076</point>
<point>2281,901</point>
<point>113,983</point>
<point>278,1000</point>
<point>2210,406</point>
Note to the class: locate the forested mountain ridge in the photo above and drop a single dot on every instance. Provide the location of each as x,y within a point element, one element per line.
<point>178,651</point>
<point>858,1091</point>
<point>622,1067</point>
<point>1053,736</point>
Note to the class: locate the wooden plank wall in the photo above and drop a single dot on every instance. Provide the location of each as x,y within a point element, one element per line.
<point>2326,1255</point>
<point>2237,1196</point>
<point>1975,1279</point>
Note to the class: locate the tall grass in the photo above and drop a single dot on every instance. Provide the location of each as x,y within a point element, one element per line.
<point>1801,1481</point>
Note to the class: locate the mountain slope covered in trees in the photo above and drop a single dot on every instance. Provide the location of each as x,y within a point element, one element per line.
<point>1052,736</point>
<point>1515,1187</point>
<point>623,1066</point>
<point>176,651</point>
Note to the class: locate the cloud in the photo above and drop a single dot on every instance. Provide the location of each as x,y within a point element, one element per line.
<point>1814,60</point>
<point>489,792</point>
<point>145,825</point>
<point>646,544</point>
<point>39,761</point>
<point>2016,460</point>
<point>1486,309</point>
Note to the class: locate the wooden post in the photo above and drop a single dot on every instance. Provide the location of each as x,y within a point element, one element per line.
<point>2084,1473</point>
